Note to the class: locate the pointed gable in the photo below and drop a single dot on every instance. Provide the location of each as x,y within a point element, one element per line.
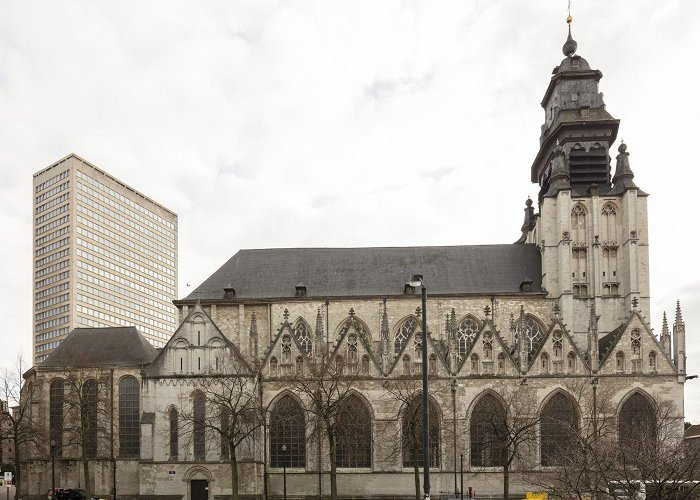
<point>557,353</point>
<point>198,347</point>
<point>488,354</point>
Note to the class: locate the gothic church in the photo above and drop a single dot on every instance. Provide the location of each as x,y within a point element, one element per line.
<point>562,308</point>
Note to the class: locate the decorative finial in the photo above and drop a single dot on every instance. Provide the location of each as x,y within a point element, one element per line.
<point>285,314</point>
<point>623,146</point>
<point>570,45</point>
<point>487,312</point>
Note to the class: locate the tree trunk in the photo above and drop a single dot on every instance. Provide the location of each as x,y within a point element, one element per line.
<point>86,475</point>
<point>331,449</point>
<point>506,481</point>
<point>233,461</point>
<point>17,466</point>
<point>416,478</point>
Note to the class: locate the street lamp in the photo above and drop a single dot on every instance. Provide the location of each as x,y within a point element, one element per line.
<point>284,470</point>
<point>53,469</point>
<point>417,280</point>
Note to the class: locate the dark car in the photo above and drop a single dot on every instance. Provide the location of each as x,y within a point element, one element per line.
<point>68,494</point>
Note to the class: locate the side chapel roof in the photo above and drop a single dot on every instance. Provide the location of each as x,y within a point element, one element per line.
<point>91,347</point>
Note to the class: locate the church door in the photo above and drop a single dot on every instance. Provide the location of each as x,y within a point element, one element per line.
<point>199,489</point>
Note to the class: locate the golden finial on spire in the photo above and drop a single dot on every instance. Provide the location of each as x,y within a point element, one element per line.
<point>569,19</point>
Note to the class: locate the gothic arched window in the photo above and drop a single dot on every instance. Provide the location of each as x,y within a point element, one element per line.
<point>352,349</point>
<point>578,224</point>
<point>129,417</point>
<point>302,333</point>
<point>273,366</point>
<point>475,363</point>
<point>89,415</point>
<point>300,366</point>
<point>406,361</point>
<point>432,364</point>
<point>56,399</point>
<point>620,361</point>
<point>487,433</point>
<point>287,428</point>
<point>652,361</point>
<point>353,434</point>
<point>488,345</point>
<point>558,425</point>
<point>501,363</point>
<point>544,358</point>
<point>174,433</point>
<point>636,341</point>
<point>466,333</point>
<point>286,350</point>
<point>404,331</point>
<point>199,415</point>
<point>534,332</point>
<point>637,422</point>
<point>412,433</point>
<point>608,224</point>
<point>365,365</point>
<point>557,344</point>
<point>571,362</point>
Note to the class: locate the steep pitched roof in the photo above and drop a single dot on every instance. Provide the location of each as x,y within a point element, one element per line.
<point>348,272</point>
<point>101,346</point>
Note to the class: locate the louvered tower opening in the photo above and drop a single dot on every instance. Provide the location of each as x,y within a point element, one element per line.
<point>588,167</point>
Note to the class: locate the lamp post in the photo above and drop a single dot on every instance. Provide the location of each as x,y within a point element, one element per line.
<point>284,471</point>
<point>53,469</point>
<point>417,280</point>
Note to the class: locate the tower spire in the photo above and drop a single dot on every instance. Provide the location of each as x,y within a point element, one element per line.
<point>622,180</point>
<point>665,336</point>
<point>679,341</point>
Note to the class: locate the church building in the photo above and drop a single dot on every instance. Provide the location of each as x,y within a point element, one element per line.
<point>539,326</point>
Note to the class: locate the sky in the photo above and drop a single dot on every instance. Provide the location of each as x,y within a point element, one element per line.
<point>379,123</point>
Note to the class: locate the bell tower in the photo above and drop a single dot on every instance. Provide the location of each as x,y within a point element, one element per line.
<point>592,225</point>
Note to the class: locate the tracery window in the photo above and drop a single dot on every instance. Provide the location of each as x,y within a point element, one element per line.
<point>544,358</point>
<point>466,333</point>
<point>129,417</point>
<point>578,224</point>
<point>418,348</point>
<point>652,361</point>
<point>286,361</point>
<point>302,333</point>
<point>199,426</point>
<point>488,345</point>
<point>637,422</point>
<point>89,415</point>
<point>558,427</point>
<point>287,427</point>
<point>571,362</point>
<point>556,344</point>
<point>487,433</point>
<point>174,433</point>
<point>534,332</point>
<point>620,361</point>
<point>579,264</point>
<point>608,224</point>
<point>353,434</point>
<point>636,340</point>
<point>475,363</point>
<point>404,331</point>
<point>56,399</point>
<point>412,433</point>
<point>352,349</point>
<point>406,361</point>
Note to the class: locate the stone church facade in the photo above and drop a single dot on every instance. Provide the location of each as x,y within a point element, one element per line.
<point>559,315</point>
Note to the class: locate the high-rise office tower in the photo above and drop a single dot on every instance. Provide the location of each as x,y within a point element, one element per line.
<point>104,255</point>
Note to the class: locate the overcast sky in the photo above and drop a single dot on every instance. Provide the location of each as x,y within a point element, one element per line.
<point>294,124</point>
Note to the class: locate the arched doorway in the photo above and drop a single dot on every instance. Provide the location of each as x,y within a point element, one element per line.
<point>199,479</point>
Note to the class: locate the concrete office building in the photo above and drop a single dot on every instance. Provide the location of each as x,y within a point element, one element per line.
<point>104,255</point>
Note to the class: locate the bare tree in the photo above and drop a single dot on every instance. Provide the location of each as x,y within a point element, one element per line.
<point>503,429</point>
<point>87,393</point>
<point>225,405</point>
<point>611,455</point>
<point>17,423</point>
<point>325,384</point>
<point>405,393</point>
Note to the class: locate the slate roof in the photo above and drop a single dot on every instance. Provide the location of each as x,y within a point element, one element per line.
<point>352,272</point>
<point>89,347</point>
